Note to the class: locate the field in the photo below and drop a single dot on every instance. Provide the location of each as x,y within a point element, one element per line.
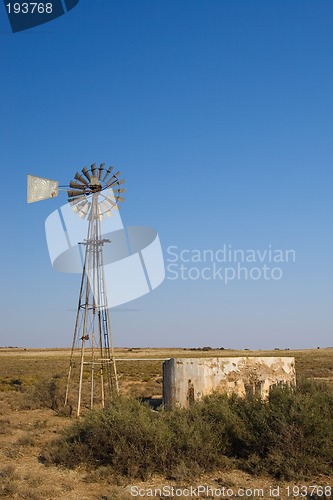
<point>31,386</point>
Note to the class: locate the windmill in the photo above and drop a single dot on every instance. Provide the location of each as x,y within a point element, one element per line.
<point>94,193</point>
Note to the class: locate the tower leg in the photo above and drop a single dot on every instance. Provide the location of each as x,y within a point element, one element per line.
<point>92,326</point>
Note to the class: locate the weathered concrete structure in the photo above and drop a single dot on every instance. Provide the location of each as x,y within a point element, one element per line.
<point>188,379</point>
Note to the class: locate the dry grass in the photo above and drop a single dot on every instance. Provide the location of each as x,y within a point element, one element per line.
<point>26,429</point>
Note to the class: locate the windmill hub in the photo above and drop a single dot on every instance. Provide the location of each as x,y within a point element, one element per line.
<point>95,184</point>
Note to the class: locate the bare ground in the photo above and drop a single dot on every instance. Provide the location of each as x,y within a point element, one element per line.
<point>25,432</point>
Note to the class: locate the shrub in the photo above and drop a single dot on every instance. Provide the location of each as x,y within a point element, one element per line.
<point>47,393</point>
<point>136,441</point>
<point>289,436</point>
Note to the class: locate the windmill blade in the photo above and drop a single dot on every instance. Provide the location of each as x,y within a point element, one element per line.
<point>74,193</point>
<point>116,183</point>
<point>74,201</point>
<point>101,168</point>
<point>76,185</point>
<point>100,214</point>
<point>79,207</point>
<point>80,178</point>
<point>114,178</point>
<point>111,202</point>
<point>86,173</point>
<point>93,169</point>
<point>108,172</point>
<point>110,199</point>
<point>123,190</point>
<point>85,210</point>
<point>106,210</point>
<point>119,198</point>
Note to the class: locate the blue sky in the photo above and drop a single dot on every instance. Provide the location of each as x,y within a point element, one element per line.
<point>219,113</point>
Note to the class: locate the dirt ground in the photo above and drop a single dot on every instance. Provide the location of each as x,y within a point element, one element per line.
<point>25,432</point>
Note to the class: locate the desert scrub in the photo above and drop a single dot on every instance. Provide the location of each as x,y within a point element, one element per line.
<point>289,436</point>
<point>135,441</point>
<point>46,393</point>
<point>10,384</point>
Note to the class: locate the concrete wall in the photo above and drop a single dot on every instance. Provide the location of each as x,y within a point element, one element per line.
<point>188,379</point>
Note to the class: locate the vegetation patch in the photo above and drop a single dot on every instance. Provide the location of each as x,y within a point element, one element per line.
<point>289,436</point>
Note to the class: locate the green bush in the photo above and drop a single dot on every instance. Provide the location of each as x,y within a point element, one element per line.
<point>288,436</point>
<point>136,441</point>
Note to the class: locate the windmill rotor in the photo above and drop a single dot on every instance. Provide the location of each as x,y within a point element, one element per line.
<point>91,184</point>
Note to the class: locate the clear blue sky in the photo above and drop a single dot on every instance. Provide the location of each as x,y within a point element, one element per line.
<point>219,113</point>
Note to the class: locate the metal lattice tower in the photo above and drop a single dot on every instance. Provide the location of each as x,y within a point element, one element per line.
<point>92,374</point>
